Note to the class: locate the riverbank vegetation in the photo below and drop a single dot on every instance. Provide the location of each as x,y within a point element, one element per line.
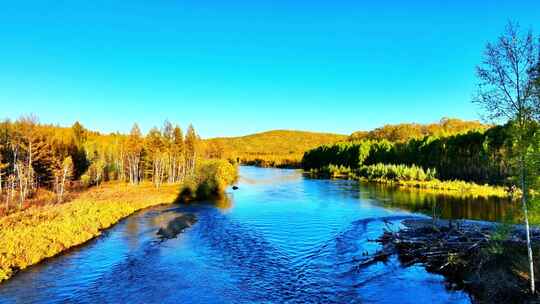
<point>209,181</point>
<point>60,187</point>
<point>488,261</point>
<point>412,177</point>
<point>476,163</point>
<point>509,90</point>
<point>44,163</point>
<point>443,204</point>
<point>475,156</point>
<point>503,155</point>
<point>37,233</point>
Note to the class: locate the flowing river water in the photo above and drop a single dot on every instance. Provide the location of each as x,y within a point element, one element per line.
<point>280,238</point>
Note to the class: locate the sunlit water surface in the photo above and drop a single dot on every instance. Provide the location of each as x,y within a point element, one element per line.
<point>280,238</point>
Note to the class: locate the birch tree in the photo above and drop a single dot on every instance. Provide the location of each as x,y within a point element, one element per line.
<point>10,192</point>
<point>3,167</point>
<point>64,173</point>
<point>505,93</point>
<point>27,127</point>
<point>134,150</point>
<point>4,182</point>
<point>157,158</point>
<point>168,145</point>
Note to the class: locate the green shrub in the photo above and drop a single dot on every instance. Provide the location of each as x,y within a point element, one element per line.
<point>210,180</point>
<point>477,156</point>
<point>396,173</point>
<point>86,180</point>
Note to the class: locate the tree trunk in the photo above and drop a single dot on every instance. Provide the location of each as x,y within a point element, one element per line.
<point>138,176</point>
<point>10,195</point>
<point>22,187</point>
<point>62,183</point>
<point>525,213</point>
<point>7,194</point>
<point>57,187</point>
<point>29,166</point>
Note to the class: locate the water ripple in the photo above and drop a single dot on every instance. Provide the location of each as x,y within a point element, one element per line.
<point>283,239</point>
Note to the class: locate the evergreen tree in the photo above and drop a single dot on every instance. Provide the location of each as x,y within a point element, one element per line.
<point>77,152</point>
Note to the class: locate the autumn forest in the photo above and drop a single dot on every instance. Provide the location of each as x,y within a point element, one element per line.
<point>377,189</point>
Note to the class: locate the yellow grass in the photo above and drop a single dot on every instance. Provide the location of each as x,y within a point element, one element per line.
<point>434,186</point>
<point>29,236</point>
<point>453,188</point>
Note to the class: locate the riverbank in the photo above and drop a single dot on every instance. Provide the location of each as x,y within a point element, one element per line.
<point>459,188</point>
<point>238,254</point>
<point>40,232</point>
<point>37,233</point>
<point>280,163</point>
<point>487,260</point>
<point>435,186</point>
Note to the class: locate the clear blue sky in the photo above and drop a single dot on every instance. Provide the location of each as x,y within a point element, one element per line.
<point>237,67</point>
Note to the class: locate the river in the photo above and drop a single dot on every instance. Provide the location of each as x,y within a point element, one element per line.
<point>280,238</point>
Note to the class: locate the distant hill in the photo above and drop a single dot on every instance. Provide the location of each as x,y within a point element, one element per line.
<point>406,131</point>
<point>285,148</point>
<point>279,148</point>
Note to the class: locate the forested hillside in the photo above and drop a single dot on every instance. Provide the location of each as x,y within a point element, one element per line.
<point>284,148</point>
<point>406,131</point>
<point>51,191</point>
<point>280,148</point>
<point>477,156</point>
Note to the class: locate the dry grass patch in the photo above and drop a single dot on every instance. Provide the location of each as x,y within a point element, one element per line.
<point>29,236</point>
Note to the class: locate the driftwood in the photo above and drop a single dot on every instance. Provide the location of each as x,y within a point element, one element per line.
<point>462,251</point>
<point>434,246</point>
<point>380,256</point>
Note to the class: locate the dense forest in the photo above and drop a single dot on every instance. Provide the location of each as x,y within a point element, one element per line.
<point>407,131</point>
<point>283,148</point>
<point>61,173</point>
<point>478,156</point>
<point>453,149</point>
<point>36,157</point>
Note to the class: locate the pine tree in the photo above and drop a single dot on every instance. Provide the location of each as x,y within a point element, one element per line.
<point>43,159</point>
<point>77,152</point>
